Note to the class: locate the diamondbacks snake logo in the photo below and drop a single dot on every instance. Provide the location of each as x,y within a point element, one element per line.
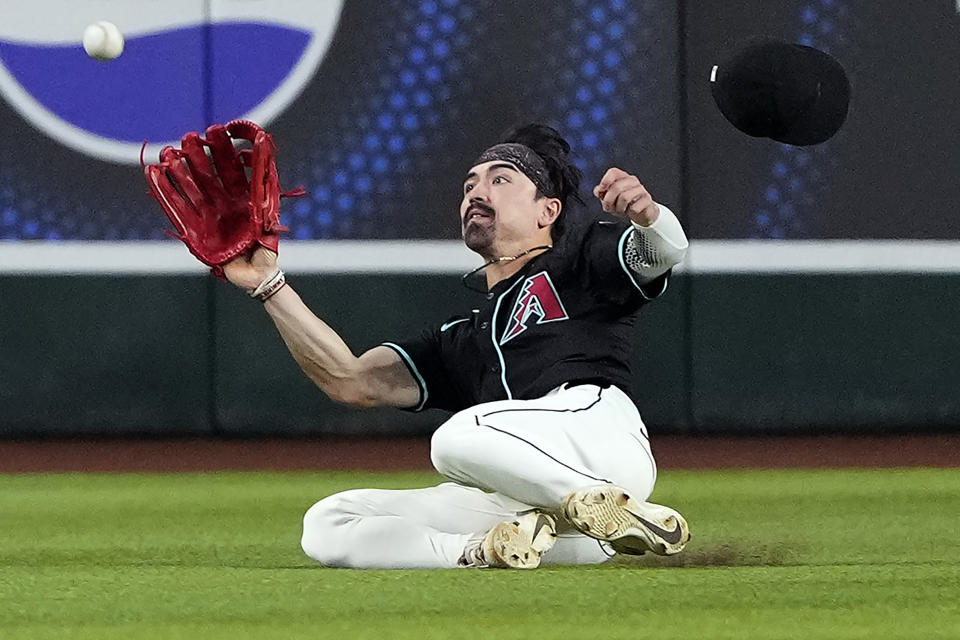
<point>538,301</point>
<point>184,67</point>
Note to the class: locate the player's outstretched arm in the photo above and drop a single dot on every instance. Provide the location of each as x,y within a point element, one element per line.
<point>377,378</point>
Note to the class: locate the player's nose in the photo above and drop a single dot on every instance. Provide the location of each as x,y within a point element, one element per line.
<point>480,190</point>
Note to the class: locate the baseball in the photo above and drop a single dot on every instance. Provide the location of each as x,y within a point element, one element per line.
<point>102,40</point>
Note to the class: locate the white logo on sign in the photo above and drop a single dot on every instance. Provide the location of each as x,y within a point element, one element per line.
<point>41,34</point>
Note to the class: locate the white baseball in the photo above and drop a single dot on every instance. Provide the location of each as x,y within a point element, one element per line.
<point>102,40</point>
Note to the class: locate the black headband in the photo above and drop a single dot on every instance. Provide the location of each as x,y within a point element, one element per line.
<point>526,160</point>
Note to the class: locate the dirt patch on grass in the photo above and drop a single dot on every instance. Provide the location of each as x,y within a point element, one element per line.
<point>717,556</point>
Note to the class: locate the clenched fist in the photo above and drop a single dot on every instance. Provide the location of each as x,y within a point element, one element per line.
<point>622,194</point>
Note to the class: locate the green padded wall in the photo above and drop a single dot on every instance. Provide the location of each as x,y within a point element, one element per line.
<point>826,352</point>
<point>177,355</point>
<point>104,355</point>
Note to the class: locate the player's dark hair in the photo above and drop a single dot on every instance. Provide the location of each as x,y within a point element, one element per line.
<point>565,176</point>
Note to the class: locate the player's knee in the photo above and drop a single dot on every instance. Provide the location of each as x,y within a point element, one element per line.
<point>324,537</point>
<point>450,443</point>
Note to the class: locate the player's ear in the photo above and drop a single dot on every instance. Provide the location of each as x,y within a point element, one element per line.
<point>548,212</point>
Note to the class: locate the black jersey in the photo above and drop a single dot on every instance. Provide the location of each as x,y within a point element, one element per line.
<point>566,316</point>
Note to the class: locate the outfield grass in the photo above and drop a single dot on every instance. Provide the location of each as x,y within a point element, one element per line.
<point>775,554</point>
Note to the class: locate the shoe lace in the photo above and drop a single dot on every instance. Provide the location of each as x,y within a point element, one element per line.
<point>473,555</point>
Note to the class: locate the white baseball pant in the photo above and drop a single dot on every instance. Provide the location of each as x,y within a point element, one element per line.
<point>504,458</point>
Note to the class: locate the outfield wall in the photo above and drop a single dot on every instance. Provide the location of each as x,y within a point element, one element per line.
<point>819,292</point>
<point>804,346</point>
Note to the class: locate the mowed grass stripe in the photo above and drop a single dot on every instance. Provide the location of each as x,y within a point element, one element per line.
<point>775,554</point>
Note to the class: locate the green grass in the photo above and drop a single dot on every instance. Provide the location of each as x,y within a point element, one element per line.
<point>775,554</point>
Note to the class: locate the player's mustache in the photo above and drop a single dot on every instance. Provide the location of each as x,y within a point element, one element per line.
<point>478,206</point>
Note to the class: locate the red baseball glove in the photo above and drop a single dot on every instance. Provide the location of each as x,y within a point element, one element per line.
<point>217,211</point>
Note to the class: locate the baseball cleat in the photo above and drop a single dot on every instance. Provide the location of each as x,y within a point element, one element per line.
<point>518,544</point>
<point>609,513</point>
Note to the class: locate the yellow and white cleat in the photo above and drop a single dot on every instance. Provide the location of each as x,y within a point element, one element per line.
<point>608,512</point>
<point>518,544</point>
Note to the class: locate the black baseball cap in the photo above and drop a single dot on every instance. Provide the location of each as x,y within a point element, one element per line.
<point>787,92</point>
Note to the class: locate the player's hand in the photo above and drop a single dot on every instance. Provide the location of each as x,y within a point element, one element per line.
<point>252,268</point>
<point>622,194</point>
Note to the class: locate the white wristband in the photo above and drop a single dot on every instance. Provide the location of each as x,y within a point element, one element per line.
<point>270,285</point>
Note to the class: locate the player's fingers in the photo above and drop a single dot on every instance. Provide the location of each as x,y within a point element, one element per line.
<point>612,175</point>
<point>641,210</point>
<point>632,200</point>
<point>613,192</point>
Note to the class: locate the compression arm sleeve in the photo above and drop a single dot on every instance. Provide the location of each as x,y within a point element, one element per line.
<point>651,251</point>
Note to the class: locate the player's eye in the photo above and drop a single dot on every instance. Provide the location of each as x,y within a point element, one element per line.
<point>500,179</point>
<point>467,187</point>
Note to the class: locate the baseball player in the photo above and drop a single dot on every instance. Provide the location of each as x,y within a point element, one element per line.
<point>547,456</point>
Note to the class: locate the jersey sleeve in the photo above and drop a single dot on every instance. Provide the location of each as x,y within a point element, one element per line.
<point>423,358</point>
<point>603,263</point>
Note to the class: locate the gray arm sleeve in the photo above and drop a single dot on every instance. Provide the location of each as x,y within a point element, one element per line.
<point>651,251</point>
